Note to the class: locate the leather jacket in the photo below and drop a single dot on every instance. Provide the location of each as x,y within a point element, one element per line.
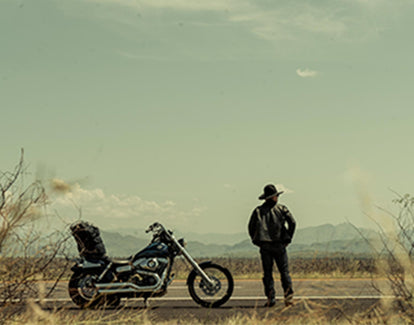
<point>268,224</point>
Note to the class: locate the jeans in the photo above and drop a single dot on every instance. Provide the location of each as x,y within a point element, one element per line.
<point>276,252</point>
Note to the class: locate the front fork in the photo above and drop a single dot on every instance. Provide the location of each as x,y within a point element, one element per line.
<point>193,263</point>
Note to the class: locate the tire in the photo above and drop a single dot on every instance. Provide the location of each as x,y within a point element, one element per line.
<point>83,292</point>
<point>206,297</point>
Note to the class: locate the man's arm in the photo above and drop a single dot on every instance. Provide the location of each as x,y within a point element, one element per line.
<point>252,224</point>
<point>290,221</point>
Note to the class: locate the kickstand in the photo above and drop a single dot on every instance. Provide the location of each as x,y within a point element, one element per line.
<point>146,305</point>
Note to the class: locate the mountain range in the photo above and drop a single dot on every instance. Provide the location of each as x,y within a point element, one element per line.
<point>320,240</point>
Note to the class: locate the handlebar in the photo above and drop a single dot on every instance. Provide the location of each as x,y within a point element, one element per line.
<point>159,230</point>
<point>155,227</point>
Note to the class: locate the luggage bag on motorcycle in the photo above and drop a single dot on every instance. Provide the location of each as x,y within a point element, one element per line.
<point>89,241</point>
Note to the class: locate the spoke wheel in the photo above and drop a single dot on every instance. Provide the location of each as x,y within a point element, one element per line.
<point>83,292</point>
<point>211,296</point>
<point>82,289</point>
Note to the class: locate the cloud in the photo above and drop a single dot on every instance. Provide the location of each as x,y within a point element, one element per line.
<point>362,182</point>
<point>289,25</point>
<point>189,5</point>
<point>183,5</point>
<point>306,73</point>
<point>265,21</point>
<point>291,22</point>
<point>59,186</point>
<point>115,211</point>
<point>281,187</point>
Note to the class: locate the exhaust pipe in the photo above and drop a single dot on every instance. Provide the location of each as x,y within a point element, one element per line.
<point>125,287</point>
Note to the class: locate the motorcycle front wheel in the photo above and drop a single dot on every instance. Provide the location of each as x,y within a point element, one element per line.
<point>208,296</point>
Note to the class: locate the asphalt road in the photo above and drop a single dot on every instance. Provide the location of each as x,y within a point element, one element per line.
<point>335,297</point>
<point>252,290</point>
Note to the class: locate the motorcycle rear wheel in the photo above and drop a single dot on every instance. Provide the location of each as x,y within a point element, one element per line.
<point>83,292</point>
<point>207,296</point>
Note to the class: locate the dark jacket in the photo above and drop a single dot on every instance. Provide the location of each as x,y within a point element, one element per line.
<point>268,224</point>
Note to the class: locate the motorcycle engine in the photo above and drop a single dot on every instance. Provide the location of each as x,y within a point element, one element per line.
<point>152,264</point>
<point>145,268</point>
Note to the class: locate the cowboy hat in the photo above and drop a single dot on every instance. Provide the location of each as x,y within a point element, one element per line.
<point>269,191</point>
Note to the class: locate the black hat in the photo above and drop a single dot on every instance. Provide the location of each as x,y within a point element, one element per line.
<point>269,191</point>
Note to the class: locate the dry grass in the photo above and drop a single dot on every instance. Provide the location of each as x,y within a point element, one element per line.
<point>304,268</point>
<point>303,313</point>
<point>241,268</point>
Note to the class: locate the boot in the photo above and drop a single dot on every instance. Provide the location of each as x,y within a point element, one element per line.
<point>289,297</point>
<point>270,302</point>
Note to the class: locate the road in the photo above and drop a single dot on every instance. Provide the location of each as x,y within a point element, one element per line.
<point>336,297</point>
<point>253,290</point>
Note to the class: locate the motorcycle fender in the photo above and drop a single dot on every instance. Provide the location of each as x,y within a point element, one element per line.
<point>201,265</point>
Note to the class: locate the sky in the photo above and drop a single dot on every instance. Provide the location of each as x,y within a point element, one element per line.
<point>182,111</point>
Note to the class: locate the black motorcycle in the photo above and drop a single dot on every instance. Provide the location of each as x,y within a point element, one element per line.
<point>103,282</point>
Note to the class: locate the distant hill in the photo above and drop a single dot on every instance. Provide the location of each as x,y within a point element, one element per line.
<point>320,240</point>
<point>327,233</point>
<point>212,238</point>
<point>122,245</point>
<point>209,238</point>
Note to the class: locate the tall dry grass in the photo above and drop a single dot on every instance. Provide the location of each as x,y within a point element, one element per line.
<point>26,253</point>
<point>241,268</point>
<point>395,260</point>
<point>304,312</point>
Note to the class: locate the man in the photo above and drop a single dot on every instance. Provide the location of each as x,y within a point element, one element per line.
<point>267,229</point>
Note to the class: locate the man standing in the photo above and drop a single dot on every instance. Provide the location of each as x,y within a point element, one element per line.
<point>267,229</point>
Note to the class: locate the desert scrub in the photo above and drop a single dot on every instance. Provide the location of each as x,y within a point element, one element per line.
<point>318,267</point>
<point>301,313</point>
<point>26,252</point>
<point>241,268</point>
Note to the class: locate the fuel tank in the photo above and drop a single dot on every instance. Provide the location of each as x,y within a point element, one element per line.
<point>153,250</point>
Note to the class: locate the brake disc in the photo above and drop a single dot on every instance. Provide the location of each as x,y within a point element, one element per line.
<point>210,290</point>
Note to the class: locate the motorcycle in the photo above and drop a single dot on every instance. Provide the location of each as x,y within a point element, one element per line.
<point>147,274</point>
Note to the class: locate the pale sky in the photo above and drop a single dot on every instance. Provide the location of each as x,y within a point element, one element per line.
<point>182,111</point>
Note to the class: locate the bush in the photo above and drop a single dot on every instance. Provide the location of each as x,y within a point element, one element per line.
<point>25,252</point>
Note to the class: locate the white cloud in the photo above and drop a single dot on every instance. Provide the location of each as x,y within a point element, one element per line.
<point>274,22</point>
<point>281,187</point>
<point>282,23</point>
<point>306,73</point>
<point>187,5</point>
<point>266,22</point>
<point>128,55</point>
<point>110,210</point>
